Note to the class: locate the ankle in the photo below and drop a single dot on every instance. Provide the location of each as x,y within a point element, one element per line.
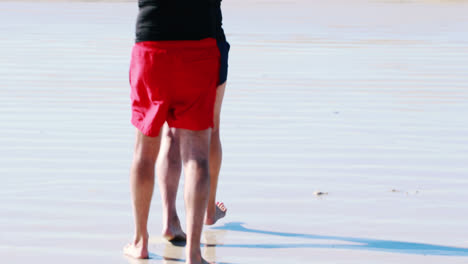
<point>211,210</point>
<point>141,238</point>
<point>171,221</point>
<point>194,256</point>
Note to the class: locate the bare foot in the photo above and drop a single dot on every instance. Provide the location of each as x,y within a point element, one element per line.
<point>174,233</point>
<point>137,249</point>
<point>220,212</point>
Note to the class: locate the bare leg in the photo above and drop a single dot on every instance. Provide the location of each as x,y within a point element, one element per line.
<point>195,146</point>
<point>168,168</point>
<point>215,211</point>
<point>142,184</point>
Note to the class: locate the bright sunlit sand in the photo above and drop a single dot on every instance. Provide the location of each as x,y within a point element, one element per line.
<point>365,101</point>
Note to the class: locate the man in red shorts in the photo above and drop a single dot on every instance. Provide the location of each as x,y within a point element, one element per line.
<point>173,77</point>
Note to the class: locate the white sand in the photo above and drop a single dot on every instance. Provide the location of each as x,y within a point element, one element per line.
<point>353,98</point>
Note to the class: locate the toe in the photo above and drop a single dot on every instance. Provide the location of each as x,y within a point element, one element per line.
<point>222,207</point>
<point>126,247</point>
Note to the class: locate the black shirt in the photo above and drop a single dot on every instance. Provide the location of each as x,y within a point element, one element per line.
<point>219,22</point>
<point>178,20</point>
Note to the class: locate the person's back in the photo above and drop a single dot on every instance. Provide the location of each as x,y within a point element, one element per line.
<point>176,20</point>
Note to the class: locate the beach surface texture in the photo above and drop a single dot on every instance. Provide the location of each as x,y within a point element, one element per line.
<point>344,129</point>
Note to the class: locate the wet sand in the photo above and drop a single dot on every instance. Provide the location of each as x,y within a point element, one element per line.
<point>366,101</point>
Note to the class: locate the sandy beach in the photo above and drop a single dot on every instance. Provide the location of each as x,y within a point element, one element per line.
<point>364,101</point>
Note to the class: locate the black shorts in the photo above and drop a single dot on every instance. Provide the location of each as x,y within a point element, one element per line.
<point>223,47</point>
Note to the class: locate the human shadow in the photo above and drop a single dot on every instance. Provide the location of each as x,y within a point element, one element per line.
<point>362,243</point>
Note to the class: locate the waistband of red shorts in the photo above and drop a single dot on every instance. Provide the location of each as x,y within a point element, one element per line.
<point>206,42</point>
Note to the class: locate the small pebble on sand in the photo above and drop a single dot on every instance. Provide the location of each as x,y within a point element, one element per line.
<point>317,193</point>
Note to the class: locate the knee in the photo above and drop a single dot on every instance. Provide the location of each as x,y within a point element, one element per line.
<point>173,155</point>
<point>200,166</point>
<point>141,163</point>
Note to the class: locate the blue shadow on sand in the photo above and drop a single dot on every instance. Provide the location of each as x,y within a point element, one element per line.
<point>364,243</point>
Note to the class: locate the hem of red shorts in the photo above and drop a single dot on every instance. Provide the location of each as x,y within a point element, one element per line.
<point>146,132</point>
<point>198,128</point>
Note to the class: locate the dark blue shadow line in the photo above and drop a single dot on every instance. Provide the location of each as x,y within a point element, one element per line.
<point>364,243</point>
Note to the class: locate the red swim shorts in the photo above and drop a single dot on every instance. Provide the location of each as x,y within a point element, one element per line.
<point>173,81</point>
